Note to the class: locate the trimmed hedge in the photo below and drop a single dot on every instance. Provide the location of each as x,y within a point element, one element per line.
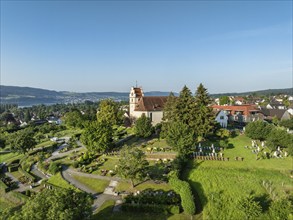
<point>183,188</point>
<point>13,167</point>
<point>3,186</point>
<point>27,175</point>
<point>153,208</point>
<point>149,196</point>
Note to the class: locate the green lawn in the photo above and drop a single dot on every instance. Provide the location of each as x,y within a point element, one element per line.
<point>44,144</point>
<point>94,184</point>
<point>231,180</point>
<point>57,180</point>
<point>4,203</point>
<point>17,174</point>
<point>109,164</point>
<point>9,200</point>
<point>10,157</point>
<point>68,132</point>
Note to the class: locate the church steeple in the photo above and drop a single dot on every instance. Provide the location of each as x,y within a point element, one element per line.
<point>134,96</point>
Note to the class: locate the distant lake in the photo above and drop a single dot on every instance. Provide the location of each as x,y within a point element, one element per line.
<point>26,105</point>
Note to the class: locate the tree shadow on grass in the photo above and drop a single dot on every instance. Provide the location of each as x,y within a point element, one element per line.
<point>264,201</point>
<point>104,212</point>
<point>200,198</point>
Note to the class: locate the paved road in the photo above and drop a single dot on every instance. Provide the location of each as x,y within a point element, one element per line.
<point>21,187</point>
<point>99,199</point>
<point>68,177</point>
<point>94,176</point>
<point>37,172</point>
<point>56,153</point>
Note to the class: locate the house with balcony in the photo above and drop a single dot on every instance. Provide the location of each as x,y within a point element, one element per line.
<point>240,113</point>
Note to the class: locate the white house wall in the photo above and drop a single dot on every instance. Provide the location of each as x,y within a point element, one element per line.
<point>223,122</point>
<point>156,115</point>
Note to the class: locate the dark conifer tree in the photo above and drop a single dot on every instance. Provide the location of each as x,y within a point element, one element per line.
<point>204,117</point>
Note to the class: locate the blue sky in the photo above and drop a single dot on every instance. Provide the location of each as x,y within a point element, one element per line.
<point>82,46</point>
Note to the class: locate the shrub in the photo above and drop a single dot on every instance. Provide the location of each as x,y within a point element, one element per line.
<point>54,168</point>
<point>280,209</point>
<point>75,164</point>
<point>150,196</point>
<point>249,208</point>
<point>174,209</point>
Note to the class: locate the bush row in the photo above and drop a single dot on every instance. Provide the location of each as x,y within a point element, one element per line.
<point>152,208</point>
<point>3,186</point>
<point>13,167</point>
<point>150,196</point>
<point>184,190</point>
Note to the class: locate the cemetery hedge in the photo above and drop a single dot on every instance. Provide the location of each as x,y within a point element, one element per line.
<point>183,188</point>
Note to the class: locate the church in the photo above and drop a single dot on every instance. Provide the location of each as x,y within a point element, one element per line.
<point>151,106</point>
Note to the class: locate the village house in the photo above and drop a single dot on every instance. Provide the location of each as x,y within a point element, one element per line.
<point>290,109</point>
<point>239,101</point>
<point>280,114</point>
<point>151,106</point>
<point>240,113</point>
<point>222,118</point>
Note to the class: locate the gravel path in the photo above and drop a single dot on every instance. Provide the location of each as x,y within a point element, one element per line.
<point>99,199</point>
<point>37,172</point>
<point>67,176</point>
<point>94,176</point>
<point>21,187</point>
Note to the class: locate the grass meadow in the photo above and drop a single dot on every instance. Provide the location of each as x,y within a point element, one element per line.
<point>229,181</point>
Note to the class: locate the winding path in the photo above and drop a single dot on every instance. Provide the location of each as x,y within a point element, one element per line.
<point>99,199</point>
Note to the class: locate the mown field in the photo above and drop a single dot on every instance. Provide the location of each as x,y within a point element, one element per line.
<point>221,184</point>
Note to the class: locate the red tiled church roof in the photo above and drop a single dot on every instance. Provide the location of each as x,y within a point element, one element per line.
<point>151,103</point>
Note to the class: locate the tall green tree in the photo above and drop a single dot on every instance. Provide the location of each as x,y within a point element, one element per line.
<point>143,126</point>
<point>132,164</point>
<point>180,137</point>
<point>287,123</point>
<point>74,119</point>
<point>97,136</point>
<point>224,100</point>
<point>27,115</point>
<point>258,130</point>
<point>169,113</point>
<point>204,122</point>
<point>279,137</point>
<point>110,112</point>
<point>185,107</point>
<point>22,141</point>
<point>56,204</point>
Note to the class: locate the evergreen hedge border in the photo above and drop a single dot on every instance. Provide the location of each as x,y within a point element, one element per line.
<point>183,189</point>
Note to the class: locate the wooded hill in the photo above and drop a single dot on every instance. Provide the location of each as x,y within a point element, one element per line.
<point>30,96</point>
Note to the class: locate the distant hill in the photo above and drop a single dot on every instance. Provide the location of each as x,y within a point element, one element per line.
<point>288,91</point>
<point>26,96</point>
